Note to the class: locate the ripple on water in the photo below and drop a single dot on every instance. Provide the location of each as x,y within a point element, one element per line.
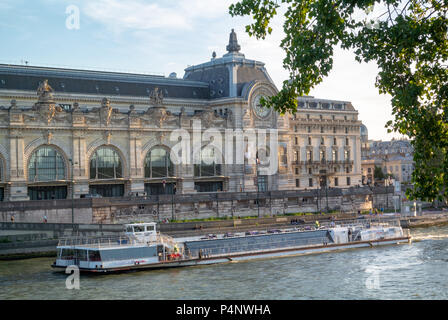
<point>416,271</point>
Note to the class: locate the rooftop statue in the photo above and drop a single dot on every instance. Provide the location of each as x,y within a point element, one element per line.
<point>233,43</point>
<point>156,97</point>
<point>45,91</point>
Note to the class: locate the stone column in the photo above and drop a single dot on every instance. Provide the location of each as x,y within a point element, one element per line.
<point>136,160</point>
<point>18,188</point>
<point>80,163</point>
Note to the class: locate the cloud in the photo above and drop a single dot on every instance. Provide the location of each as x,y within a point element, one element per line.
<point>134,14</point>
<point>145,15</point>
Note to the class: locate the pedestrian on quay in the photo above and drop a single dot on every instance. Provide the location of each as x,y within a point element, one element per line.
<point>12,218</point>
<point>45,219</point>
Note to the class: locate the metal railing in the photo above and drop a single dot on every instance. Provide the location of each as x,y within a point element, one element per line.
<point>113,241</point>
<point>365,223</point>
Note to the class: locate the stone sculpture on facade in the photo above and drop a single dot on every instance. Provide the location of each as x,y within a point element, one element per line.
<point>13,104</point>
<point>106,111</point>
<point>156,97</point>
<point>157,115</point>
<point>45,105</point>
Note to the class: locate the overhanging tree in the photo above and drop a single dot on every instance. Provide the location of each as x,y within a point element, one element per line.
<point>409,43</point>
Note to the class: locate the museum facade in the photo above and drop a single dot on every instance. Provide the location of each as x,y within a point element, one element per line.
<point>81,133</point>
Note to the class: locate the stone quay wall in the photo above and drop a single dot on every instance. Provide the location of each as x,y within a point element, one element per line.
<point>198,206</point>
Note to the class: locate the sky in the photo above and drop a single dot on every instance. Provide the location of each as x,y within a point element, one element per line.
<point>160,37</point>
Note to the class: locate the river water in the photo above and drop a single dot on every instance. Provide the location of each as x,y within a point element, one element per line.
<point>407,271</point>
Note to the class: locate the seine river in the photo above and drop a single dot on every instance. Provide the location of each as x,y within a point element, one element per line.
<point>415,271</point>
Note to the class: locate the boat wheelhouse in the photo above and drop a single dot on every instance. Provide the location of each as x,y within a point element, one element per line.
<point>139,244</point>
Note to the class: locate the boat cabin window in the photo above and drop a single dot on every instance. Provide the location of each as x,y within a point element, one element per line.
<point>129,229</point>
<point>67,254</point>
<point>81,254</point>
<point>149,228</point>
<point>139,229</point>
<point>94,255</point>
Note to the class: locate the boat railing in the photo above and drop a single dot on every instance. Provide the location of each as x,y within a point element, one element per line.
<point>364,223</point>
<point>269,246</point>
<point>97,241</point>
<point>121,240</point>
<point>163,238</point>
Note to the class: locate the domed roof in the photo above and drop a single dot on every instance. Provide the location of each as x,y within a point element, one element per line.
<point>364,131</point>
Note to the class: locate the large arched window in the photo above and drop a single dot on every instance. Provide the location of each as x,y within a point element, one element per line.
<point>46,164</point>
<point>105,163</point>
<point>158,163</point>
<point>208,166</point>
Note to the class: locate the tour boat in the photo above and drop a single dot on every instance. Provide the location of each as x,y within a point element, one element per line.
<point>141,246</point>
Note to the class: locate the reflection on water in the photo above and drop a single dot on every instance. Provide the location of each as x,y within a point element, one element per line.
<point>416,271</point>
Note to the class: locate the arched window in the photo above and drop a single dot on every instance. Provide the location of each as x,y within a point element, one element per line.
<point>46,164</point>
<point>322,155</point>
<point>105,163</point>
<point>346,155</point>
<point>158,164</point>
<point>309,155</point>
<point>334,155</point>
<point>208,166</point>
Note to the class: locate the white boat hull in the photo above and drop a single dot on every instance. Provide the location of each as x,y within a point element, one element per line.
<point>244,256</point>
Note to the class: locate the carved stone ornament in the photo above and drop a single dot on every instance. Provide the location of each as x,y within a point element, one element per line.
<point>107,136</point>
<point>76,107</point>
<point>48,135</point>
<point>13,104</point>
<point>48,111</point>
<point>106,111</point>
<point>45,92</point>
<point>160,136</point>
<point>16,133</point>
<point>45,105</point>
<point>80,134</point>
<point>230,116</point>
<point>156,97</point>
<point>158,115</point>
<point>207,118</point>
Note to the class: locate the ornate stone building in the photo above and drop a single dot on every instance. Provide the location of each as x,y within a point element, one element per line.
<point>92,132</point>
<point>395,158</point>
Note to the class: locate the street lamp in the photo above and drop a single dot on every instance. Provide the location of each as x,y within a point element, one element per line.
<point>172,201</point>
<point>318,198</point>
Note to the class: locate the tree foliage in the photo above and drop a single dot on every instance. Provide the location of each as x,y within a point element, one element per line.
<point>378,173</point>
<point>407,40</point>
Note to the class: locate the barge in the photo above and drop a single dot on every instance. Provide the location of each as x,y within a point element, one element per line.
<point>141,246</point>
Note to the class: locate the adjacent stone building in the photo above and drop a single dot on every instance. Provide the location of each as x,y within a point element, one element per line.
<point>394,157</point>
<point>67,132</point>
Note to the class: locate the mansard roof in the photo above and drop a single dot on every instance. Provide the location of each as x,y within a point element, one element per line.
<point>219,78</point>
<point>16,77</point>
<point>227,76</point>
